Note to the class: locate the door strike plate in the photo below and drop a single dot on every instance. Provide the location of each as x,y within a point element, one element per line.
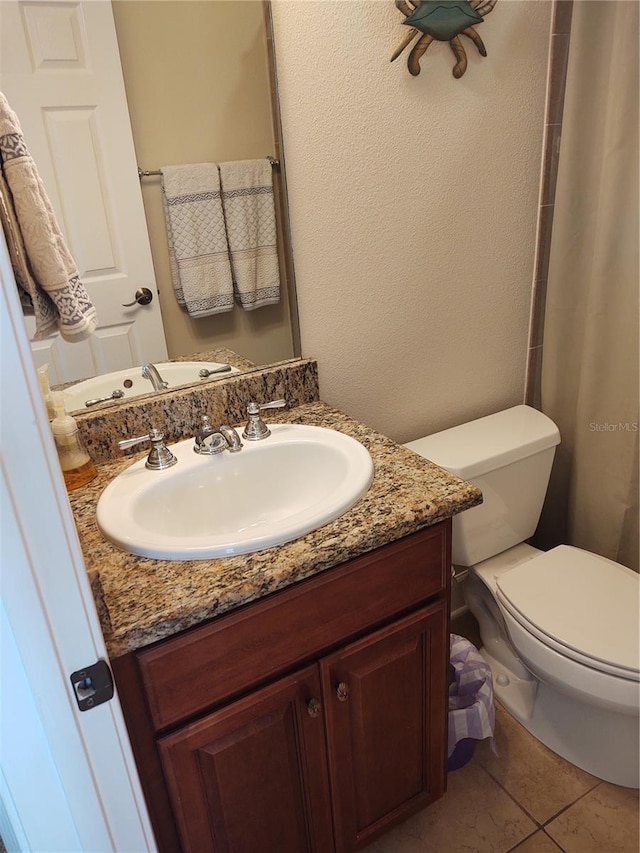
<point>92,685</point>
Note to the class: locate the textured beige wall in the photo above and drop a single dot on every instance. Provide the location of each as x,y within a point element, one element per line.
<point>198,91</point>
<point>413,206</point>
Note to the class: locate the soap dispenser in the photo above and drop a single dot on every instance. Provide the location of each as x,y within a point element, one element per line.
<point>76,464</point>
<point>45,390</point>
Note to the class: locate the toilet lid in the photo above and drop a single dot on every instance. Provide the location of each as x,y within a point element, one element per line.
<point>583,605</point>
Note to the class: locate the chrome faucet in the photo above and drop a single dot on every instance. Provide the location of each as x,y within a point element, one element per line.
<point>150,372</point>
<point>210,439</point>
<point>256,429</point>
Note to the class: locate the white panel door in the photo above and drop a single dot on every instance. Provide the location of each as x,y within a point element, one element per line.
<point>68,780</point>
<point>60,71</point>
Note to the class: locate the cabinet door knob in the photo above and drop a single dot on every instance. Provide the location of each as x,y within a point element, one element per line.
<point>313,707</point>
<point>342,691</point>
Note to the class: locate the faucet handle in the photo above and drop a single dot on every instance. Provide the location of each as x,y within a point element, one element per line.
<point>160,457</point>
<point>205,425</point>
<point>256,429</point>
<point>254,408</point>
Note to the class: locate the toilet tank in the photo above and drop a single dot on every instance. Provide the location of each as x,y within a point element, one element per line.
<point>508,456</point>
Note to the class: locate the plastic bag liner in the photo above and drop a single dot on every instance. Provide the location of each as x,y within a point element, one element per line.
<point>471,708</point>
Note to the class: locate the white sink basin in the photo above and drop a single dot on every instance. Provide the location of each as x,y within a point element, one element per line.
<point>133,384</point>
<point>270,492</point>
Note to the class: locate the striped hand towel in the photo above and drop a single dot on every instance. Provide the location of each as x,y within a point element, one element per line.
<point>198,250</point>
<point>247,198</point>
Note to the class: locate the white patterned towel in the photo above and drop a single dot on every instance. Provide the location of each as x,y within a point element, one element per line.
<point>198,250</point>
<point>46,274</point>
<point>247,198</point>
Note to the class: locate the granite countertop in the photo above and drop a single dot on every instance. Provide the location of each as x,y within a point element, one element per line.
<point>142,600</point>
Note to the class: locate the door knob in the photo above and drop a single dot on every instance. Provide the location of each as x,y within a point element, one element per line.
<point>143,296</point>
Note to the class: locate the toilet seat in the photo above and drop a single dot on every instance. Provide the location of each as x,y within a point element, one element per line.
<point>579,604</point>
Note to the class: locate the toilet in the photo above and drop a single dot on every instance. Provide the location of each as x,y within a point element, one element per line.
<point>559,629</point>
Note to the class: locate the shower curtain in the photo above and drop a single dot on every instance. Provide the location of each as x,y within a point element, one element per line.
<point>590,355</point>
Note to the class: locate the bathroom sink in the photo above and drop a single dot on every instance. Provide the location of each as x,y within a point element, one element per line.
<point>133,384</point>
<point>270,492</point>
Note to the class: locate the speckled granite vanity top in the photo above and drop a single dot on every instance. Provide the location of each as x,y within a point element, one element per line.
<point>142,600</point>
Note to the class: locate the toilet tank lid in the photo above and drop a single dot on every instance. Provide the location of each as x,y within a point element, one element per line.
<point>488,443</point>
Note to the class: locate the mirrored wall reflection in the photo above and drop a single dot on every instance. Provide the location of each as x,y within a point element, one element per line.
<point>199,88</point>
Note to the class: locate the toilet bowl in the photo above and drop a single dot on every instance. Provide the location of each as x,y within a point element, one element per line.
<point>560,629</point>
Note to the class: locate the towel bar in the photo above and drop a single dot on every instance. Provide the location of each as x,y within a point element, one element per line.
<point>144,173</point>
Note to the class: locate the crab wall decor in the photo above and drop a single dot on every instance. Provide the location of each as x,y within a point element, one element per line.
<point>442,20</point>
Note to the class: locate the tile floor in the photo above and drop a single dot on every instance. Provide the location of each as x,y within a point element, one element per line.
<point>525,799</point>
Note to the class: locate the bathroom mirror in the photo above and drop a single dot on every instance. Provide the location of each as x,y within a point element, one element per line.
<point>200,85</point>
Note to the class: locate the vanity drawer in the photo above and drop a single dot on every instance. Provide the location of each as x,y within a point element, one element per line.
<point>205,666</point>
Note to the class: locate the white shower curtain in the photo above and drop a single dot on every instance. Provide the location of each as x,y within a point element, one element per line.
<point>590,354</point>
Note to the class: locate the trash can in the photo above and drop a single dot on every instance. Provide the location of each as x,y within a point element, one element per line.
<point>471,709</point>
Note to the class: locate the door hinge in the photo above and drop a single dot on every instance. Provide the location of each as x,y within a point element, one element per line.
<point>92,685</point>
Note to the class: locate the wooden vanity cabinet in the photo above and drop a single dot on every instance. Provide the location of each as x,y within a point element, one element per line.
<point>310,720</point>
<point>386,725</point>
<point>253,775</point>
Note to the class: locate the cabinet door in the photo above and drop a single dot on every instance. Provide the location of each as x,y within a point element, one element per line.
<point>386,704</point>
<point>252,777</point>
